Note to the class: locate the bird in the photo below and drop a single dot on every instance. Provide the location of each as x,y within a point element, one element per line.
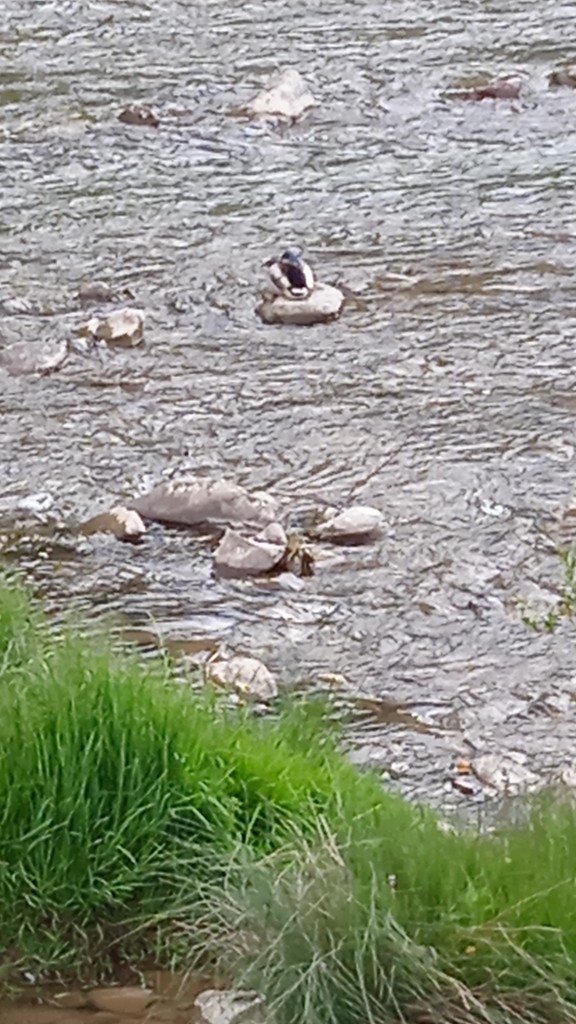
<point>291,275</point>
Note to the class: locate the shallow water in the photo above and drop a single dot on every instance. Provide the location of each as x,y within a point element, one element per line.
<point>444,395</point>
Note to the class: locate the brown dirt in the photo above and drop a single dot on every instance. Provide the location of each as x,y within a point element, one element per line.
<point>172,1002</point>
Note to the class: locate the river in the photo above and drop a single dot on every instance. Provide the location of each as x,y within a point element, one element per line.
<point>444,395</point>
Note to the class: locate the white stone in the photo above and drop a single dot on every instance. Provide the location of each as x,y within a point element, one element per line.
<point>285,95</point>
<point>506,772</point>
<point>220,1006</point>
<point>191,500</point>
<point>359,522</point>
<point>323,304</point>
<point>123,523</point>
<point>122,327</point>
<point>249,677</point>
<point>250,556</point>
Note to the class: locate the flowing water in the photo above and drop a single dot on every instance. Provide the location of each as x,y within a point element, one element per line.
<point>444,395</point>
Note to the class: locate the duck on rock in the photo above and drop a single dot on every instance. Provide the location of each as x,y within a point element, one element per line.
<point>291,276</point>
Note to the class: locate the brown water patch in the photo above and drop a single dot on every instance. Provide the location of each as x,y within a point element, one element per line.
<point>170,1001</point>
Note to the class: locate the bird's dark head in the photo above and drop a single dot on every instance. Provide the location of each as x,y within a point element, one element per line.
<point>293,256</point>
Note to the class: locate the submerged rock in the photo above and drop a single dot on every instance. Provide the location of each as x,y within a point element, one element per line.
<point>251,556</point>
<point>357,523</point>
<point>139,114</point>
<point>124,523</point>
<point>322,305</point>
<point>565,75</point>
<point>23,357</point>
<point>95,291</point>
<point>285,96</point>
<point>122,327</point>
<point>249,677</point>
<point>219,1006</point>
<point>122,999</point>
<point>483,87</point>
<point>506,772</point>
<point>271,551</point>
<point>192,500</point>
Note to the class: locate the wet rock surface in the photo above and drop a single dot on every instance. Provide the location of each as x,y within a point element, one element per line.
<point>248,677</point>
<point>192,500</point>
<point>322,305</point>
<point>285,96</point>
<point>239,555</point>
<point>565,75</point>
<point>122,327</point>
<point>139,114</point>
<point>21,358</point>
<point>123,523</point>
<point>484,87</point>
<point>357,524</point>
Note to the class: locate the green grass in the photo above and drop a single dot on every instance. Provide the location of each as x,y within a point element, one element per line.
<point>141,820</point>
<point>564,607</point>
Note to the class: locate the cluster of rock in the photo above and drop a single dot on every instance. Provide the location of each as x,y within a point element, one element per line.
<point>250,541</point>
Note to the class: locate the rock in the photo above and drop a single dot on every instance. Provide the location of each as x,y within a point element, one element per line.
<point>139,114</point>
<point>250,556</point>
<point>122,327</point>
<point>23,357</point>
<point>285,96</point>
<point>323,304</point>
<point>95,291</point>
<point>124,523</point>
<point>506,773</point>
<point>249,677</point>
<point>192,500</point>
<point>568,775</point>
<point>483,87</point>
<point>74,999</point>
<point>357,523</point>
<point>565,75</point>
<point>226,1007</point>
<point>124,999</point>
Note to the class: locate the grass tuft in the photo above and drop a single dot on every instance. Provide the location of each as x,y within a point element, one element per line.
<point>141,820</point>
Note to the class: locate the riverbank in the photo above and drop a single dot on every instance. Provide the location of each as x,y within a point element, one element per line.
<point>146,824</point>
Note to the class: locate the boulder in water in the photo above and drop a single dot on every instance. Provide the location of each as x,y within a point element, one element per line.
<point>139,114</point>
<point>192,500</point>
<point>356,524</point>
<point>285,96</point>
<point>249,677</point>
<point>322,305</point>
<point>484,87</point>
<point>95,291</point>
<point>124,523</point>
<point>565,75</point>
<point>122,327</point>
<point>237,555</point>
<point>42,357</point>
